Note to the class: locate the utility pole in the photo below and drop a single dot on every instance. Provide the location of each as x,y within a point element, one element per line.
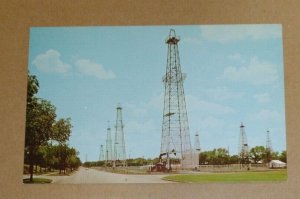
<point>175,139</point>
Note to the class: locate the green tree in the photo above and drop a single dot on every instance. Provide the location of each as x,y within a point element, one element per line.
<point>73,161</point>
<point>67,157</point>
<point>221,156</point>
<point>41,127</point>
<point>62,130</point>
<point>215,157</point>
<point>282,157</point>
<point>32,89</point>
<point>210,157</point>
<point>203,157</point>
<point>257,153</point>
<point>234,159</point>
<point>48,154</point>
<point>40,117</point>
<point>62,154</point>
<point>61,133</point>
<point>275,155</point>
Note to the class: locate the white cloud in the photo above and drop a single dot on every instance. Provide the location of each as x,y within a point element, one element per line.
<point>257,72</point>
<point>50,62</point>
<point>90,68</point>
<point>222,93</point>
<point>262,98</point>
<point>195,104</point>
<point>227,33</point>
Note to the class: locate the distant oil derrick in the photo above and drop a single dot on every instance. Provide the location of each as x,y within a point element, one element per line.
<point>243,146</point>
<point>268,141</point>
<point>109,149</point>
<point>268,147</point>
<point>119,144</point>
<point>101,155</point>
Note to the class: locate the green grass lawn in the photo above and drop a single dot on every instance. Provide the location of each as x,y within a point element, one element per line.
<point>250,176</point>
<point>37,181</point>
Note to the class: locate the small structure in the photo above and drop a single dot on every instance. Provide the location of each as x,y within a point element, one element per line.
<point>277,164</point>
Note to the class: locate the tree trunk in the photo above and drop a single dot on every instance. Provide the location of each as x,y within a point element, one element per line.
<point>31,171</point>
<point>31,163</point>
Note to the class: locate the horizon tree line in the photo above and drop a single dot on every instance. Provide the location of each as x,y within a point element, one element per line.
<point>217,156</point>
<point>256,155</point>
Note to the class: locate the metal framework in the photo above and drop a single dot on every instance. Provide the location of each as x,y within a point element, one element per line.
<point>243,146</point>
<point>268,147</point>
<point>119,144</point>
<point>109,149</point>
<point>197,150</point>
<point>197,143</point>
<point>268,142</point>
<point>101,155</point>
<point>175,140</point>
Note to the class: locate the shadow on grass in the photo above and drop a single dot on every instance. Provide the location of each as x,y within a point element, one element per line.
<point>37,181</point>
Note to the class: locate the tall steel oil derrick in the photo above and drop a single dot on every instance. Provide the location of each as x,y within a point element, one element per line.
<point>101,155</point>
<point>175,140</point>
<point>119,144</point>
<point>109,149</point>
<point>268,147</point>
<point>243,146</point>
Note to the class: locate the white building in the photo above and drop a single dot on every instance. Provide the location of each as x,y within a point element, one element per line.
<point>277,164</point>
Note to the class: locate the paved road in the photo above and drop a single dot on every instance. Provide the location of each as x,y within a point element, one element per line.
<point>84,175</point>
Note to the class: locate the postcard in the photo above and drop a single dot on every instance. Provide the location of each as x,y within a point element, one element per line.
<point>155,104</point>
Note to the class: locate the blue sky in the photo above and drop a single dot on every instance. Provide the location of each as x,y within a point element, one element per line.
<point>234,75</point>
